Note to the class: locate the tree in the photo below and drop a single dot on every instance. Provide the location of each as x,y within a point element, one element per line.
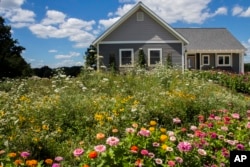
<point>12,63</point>
<point>90,57</point>
<point>142,61</point>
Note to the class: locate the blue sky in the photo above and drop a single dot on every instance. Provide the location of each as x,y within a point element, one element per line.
<point>57,32</point>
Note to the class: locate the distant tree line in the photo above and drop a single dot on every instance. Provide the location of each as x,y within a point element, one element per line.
<point>47,72</point>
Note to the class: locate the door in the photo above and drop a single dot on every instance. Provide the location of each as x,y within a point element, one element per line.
<point>191,62</point>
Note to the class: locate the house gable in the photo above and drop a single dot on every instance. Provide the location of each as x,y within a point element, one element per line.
<point>145,30</point>
<point>128,26</point>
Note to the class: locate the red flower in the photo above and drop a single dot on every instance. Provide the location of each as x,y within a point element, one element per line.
<point>93,154</point>
<point>134,149</point>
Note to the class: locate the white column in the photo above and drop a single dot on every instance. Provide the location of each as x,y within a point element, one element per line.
<point>98,58</point>
<point>242,63</point>
<point>183,58</point>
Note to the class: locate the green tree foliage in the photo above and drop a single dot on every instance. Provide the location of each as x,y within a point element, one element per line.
<point>90,57</point>
<point>12,64</point>
<point>112,62</point>
<point>142,60</point>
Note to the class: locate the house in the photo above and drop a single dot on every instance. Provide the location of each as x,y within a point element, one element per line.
<point>188,48</point>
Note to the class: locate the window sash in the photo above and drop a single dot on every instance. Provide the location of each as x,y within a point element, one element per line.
<point>205,60</point>
<point>224,60</point>
<point>154,56</point>
<point>126,57</point>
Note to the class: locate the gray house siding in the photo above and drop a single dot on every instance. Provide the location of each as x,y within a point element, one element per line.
<point>133,30</point>
<point>235,63</point>
<point>173,49</point>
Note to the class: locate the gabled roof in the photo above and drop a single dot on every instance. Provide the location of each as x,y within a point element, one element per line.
<point>210,39</point>
<point>141,6</point>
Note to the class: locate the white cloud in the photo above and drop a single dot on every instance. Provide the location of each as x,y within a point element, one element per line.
<point>53,51</point>
<point>57,25</point>
<point>107,23</point>
<point>11,3</point>
<point>67,56</point>
<point>240,11</point>
<point>67,63</point>
<point>171,11</point>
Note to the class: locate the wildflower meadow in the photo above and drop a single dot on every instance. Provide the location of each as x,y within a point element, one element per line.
<point>161,117</point>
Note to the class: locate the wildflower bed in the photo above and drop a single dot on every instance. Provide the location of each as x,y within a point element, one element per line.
<point>144,118</point>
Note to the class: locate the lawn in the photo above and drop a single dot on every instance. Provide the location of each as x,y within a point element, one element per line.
<point>142,118</point>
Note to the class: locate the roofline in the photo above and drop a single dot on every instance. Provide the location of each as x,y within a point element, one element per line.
<point>129,13</point>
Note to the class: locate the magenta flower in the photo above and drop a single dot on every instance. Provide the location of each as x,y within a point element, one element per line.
<point>213,135</point>
<point>144,132</point>
<point>56,165</point>
<point>240,146</point>
<point>58,158</point>
<point>112,141</point>
<point>77,152</point>
<point>144,152</point>
<point>184,146</point>
<point>25,154</point>
<point>100,148</point>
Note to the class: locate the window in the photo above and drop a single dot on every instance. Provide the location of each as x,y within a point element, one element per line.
<point>223,60</point>
<point>205,60</point>
<point>154,56</point>
<point>126,57</point>
<point>140,16</point>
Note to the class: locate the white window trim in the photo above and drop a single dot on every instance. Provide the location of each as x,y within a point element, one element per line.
<point>203,60</point>
<point>224,65</point>
<point>132,57</point>
<point>156,49</point>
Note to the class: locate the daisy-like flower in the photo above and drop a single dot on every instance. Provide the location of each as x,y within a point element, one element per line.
<point>100,148</point>
<point>77,152</point>
<point>112,141</point>
<point>144,132</point>
<point>202,152</point>
<point>184,146</point>
<point>158,161</point>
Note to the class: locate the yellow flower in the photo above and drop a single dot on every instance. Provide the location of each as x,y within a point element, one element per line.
<point>12,155</point>
<point>164,146</point>
<point>163,138</point>
<point>153,123</point>
<point>45,127</point>
<point>163,130</point>
<point>151,129</point>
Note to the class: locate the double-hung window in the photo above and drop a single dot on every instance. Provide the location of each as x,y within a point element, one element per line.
<point>224,60</point>
<point>205,60</point>
<point>154,56</point>
<point>126,57</point>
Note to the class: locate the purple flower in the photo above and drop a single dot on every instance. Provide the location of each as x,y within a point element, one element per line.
<point>240,146</point>
<point>184,146</point>
<point>77,152</point>
<point>25,154</point>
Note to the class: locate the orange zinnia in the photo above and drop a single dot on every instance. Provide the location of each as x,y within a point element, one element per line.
<point>49,161</point>
<point>18,162</point>
<point>134,149</point>
<point>93,154</point>
<point>100,136</point>
<point>85,165</point>
<point>12,155</point>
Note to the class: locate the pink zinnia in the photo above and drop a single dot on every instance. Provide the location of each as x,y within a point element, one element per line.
<point>56,165</point>
<point>144,152</point>
<point>240,146</point>
<point>130,130</point>
<point>176,120</point>
<point>202,152</point>
<point>77,152</point>
<point>179,160</point>
<point>184,146</point>
<point>100,148</point>
<point>144,132</point>
<point>112,141</point>
<point>236,116</point>
<point>58,158</point>
<point>171,163</point>
<point>248,125</point>
<point>25,154</point>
